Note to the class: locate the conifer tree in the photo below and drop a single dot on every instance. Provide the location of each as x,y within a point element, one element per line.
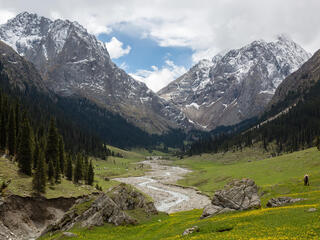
<point>39,178</point>
<point>85,168</point>
<point>11,133</point>
<point>61,155</point>
<point>36,155</point>
<point>51,171</point>
<point>24,156</point>
<point>78,169</point>
<point>3,132</point>
<point>69,169</point>
<point>57,173</point>
<point>52,151</point>
<point>90,174</point>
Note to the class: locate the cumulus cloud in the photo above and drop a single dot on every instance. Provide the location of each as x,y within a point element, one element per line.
<point>157,78</point>
<point>200,25</point>
<point>116,49</point>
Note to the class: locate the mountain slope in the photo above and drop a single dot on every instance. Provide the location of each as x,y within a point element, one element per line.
<point>73,62</point>
<point>236,86</point>
<point>296,85</point>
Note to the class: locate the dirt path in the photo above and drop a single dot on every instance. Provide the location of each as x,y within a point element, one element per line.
<point>157,184</point>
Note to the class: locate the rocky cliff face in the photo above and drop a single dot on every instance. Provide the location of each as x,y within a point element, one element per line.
<point>74,62</point>
<point>298,82</point>
<point>21,73</point>
<point>235,86</point>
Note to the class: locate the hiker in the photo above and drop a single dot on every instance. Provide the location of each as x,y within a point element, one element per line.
<point>306,180</point>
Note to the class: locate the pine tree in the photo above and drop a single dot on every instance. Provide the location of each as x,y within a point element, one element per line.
<point>11,133</point>
<point>61,155</point>
<point>3,132</point>
<point>90,174</point>
<point>85,168</point>
<point>52,151</point>
<point>39,178</point>
<point>78,169</point>
<point>24,156</point>
<point>51,171</point>
<point>69,169</point>
<point>36,156</point>
<point>57,173</point>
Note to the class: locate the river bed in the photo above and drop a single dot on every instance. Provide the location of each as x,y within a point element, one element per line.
<point>158,183</point>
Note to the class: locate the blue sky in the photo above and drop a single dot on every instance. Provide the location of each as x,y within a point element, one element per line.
<point>145,59</point>
<point>146,52</point>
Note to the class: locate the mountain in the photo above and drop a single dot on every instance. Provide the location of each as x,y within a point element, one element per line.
<point>79,119</point>
<point>73,62</point>
<point>296,85</point>
<point>290,123</point>
<point>235,86</point>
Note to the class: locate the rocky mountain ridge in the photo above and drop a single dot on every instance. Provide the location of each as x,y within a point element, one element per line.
<point>74,63</point>
<point>235,86</point>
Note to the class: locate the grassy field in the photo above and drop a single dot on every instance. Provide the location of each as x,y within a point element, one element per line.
<point>213,171</point>
<point>289,222</point>
<point>278,176</point>
<point>112,167</point>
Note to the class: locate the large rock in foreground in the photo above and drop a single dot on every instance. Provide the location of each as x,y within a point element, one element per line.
<point>237,195</point>
<point>105,208</point>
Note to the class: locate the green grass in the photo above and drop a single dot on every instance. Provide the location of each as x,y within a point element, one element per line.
<point>279,176</point>
<point>213,171</point>
<point>289,222</point>
<point>21,184</point>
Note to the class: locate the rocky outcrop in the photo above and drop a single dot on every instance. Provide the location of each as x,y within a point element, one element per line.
<point>27,217</point>
<point>237,195</point>
<point>101,210</point>
<point>128,198</point>
<point>106,208</point>
<point>281,201</point>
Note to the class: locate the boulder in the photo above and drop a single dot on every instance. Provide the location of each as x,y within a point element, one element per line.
<point>312,210</point>
<point>191,230</point>
<point>212,210</point>
<point>128,198</point>
<point>281,201</point>
<point>237,195</point>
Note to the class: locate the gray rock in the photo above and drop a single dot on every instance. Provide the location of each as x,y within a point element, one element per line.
<point>237,195</point>
<point>191,230</point>
<point>281,201</point>
<point>69,234</point>
<point>106,208</point>
<point>128,198</point>
<point>312,210</point>
<point>212,210</point>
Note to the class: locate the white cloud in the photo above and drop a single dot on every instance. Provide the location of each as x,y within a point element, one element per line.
<point>5,15</point>
<point>116,49</point>
<point>199,25</point>
<point>157,78</point>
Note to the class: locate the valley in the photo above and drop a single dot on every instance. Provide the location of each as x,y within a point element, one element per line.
<point>293,221</point>
<point>146,123</point>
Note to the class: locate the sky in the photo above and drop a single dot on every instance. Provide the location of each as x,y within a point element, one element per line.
<point>157,41</point>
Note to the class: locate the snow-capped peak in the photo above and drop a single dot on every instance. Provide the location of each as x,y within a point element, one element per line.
<point>235,85</point>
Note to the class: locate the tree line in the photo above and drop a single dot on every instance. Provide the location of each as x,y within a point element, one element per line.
<point>296,130</point>
<point>40,150</point>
